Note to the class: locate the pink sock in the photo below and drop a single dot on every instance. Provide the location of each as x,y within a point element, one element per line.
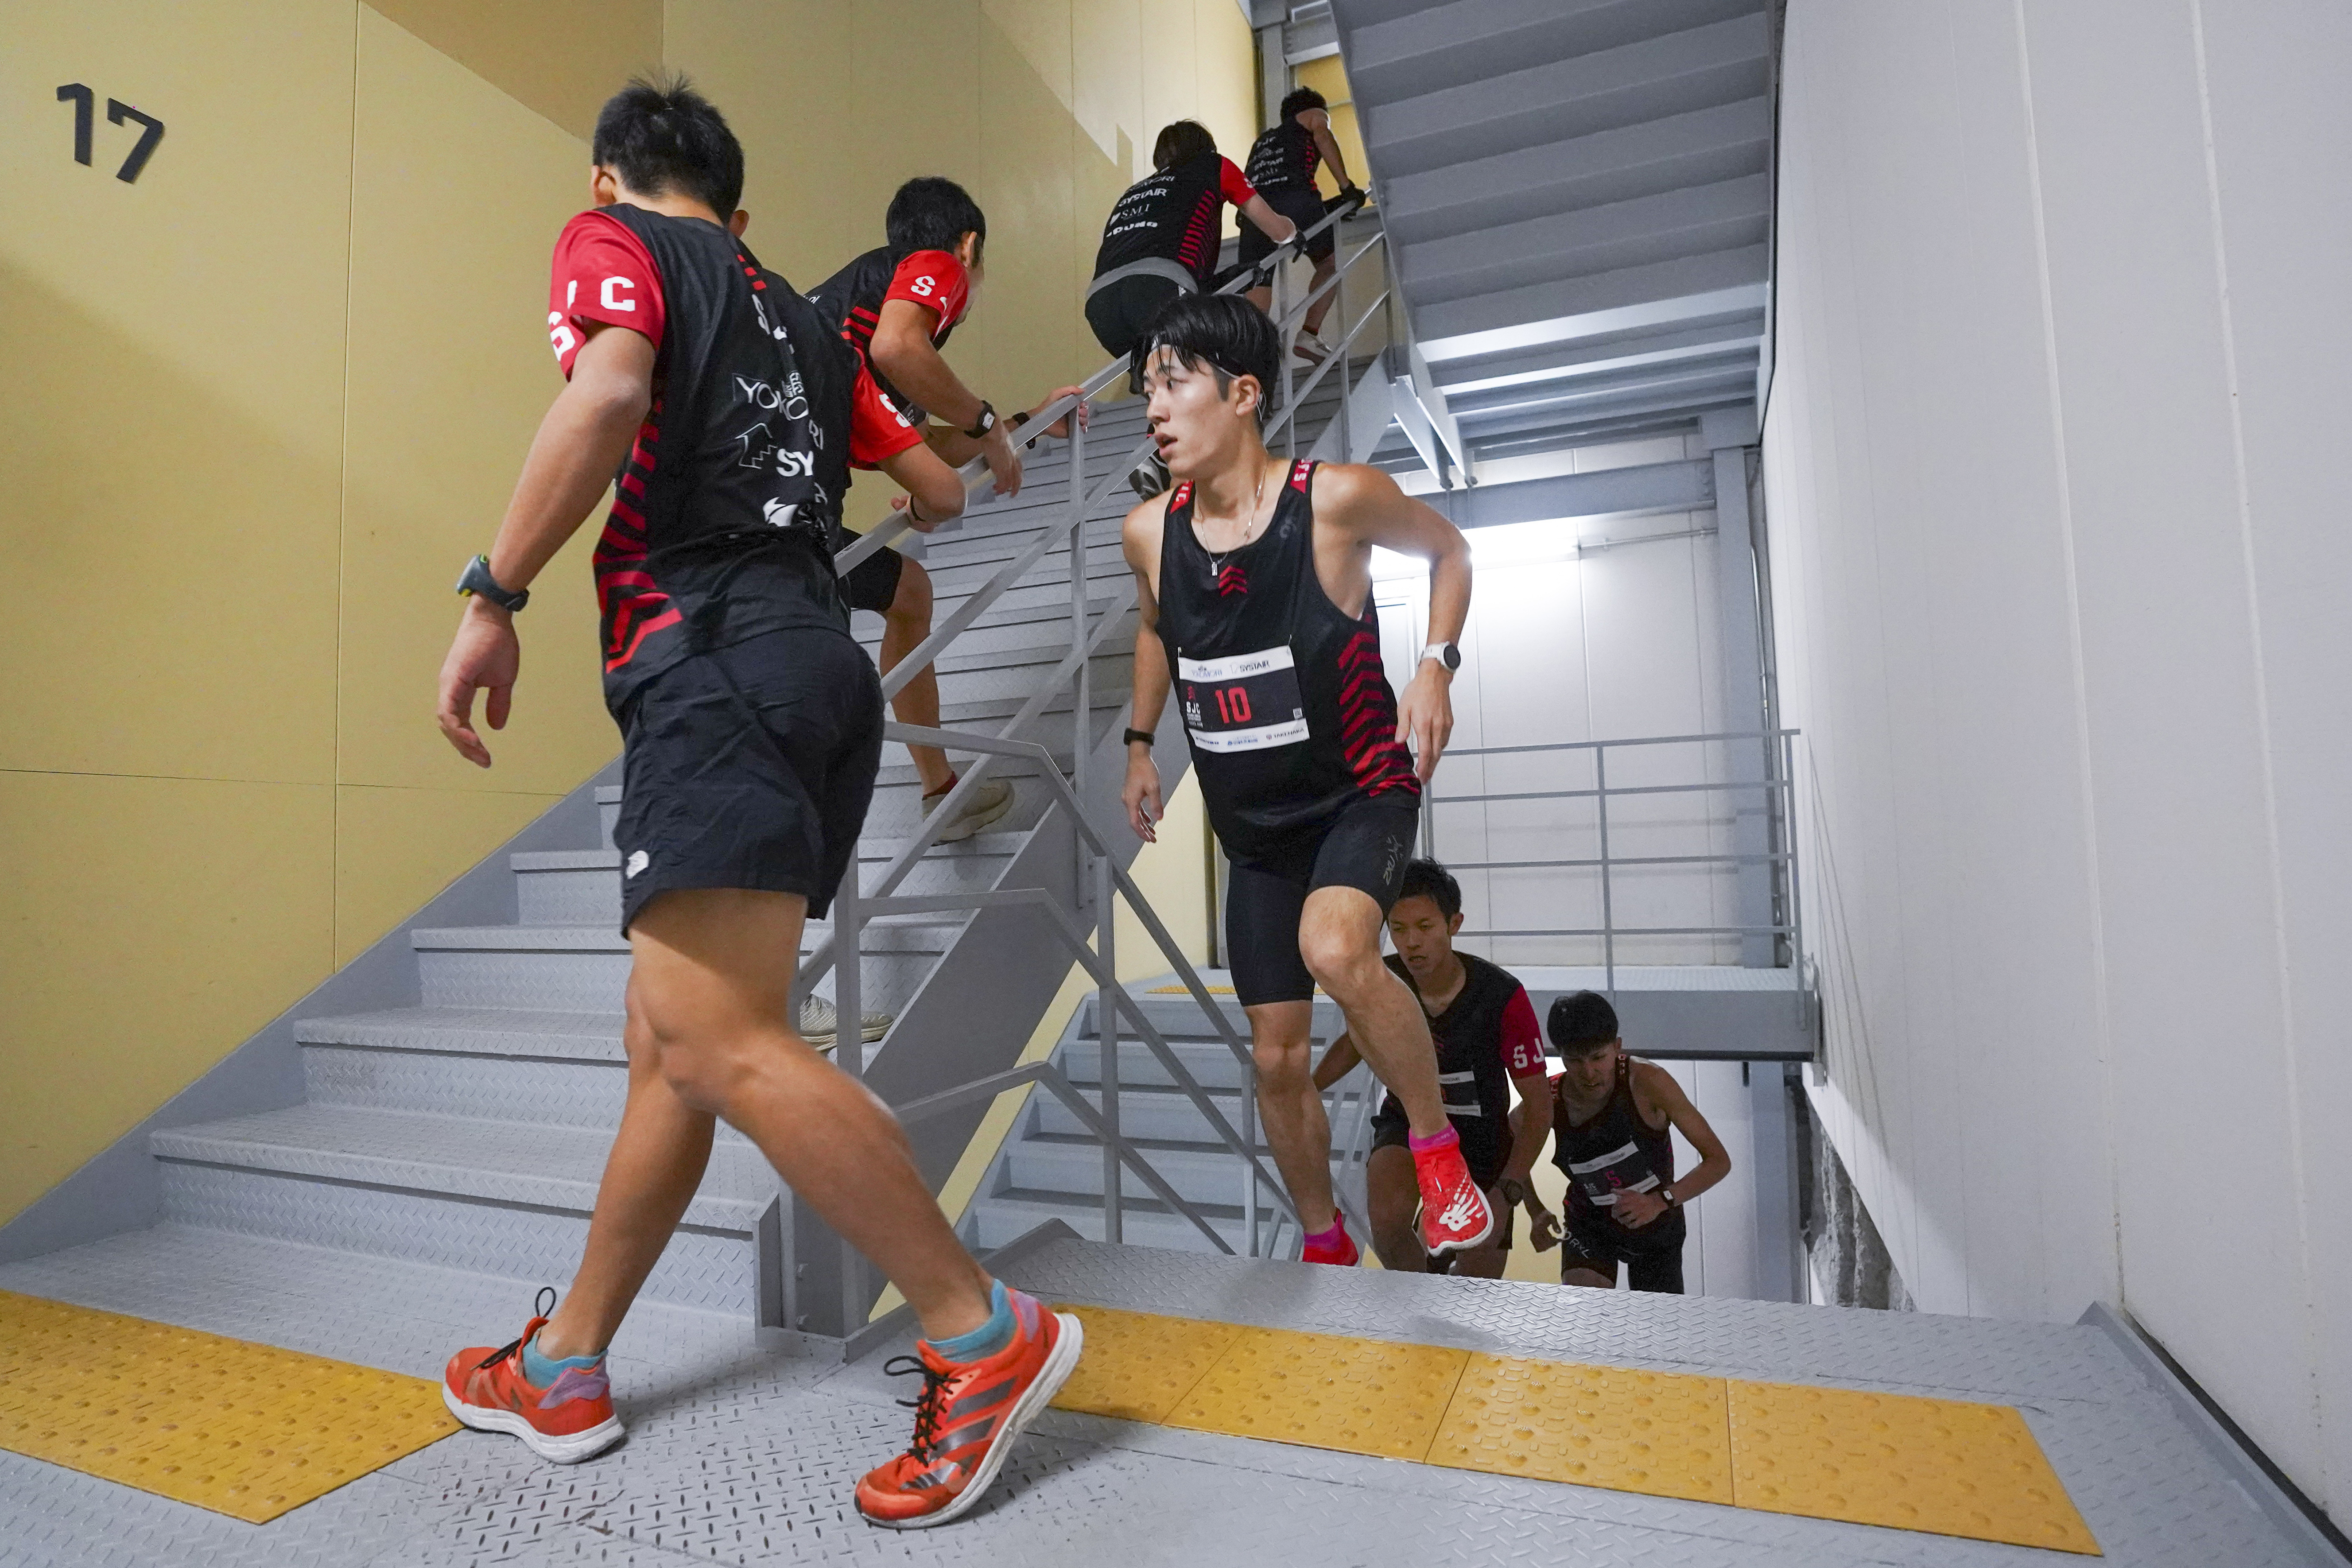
<point>1333,1236</point>
<point>1445,1139</point>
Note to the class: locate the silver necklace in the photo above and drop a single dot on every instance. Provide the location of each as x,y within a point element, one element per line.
<point>1249,528</point>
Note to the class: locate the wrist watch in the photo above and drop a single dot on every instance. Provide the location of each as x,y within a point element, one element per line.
<point>985,422</point>
<point>1666,1195</point>
<point>1514,1192</point>
<point>1444,653</point>
<point>477,579</point>
<point>1134,735</point>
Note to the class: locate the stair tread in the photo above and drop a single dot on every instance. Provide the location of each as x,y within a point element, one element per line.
<point>529,1162</point>
<point>604,939</point>
<point>872,848</point>
<point>489,1030</point>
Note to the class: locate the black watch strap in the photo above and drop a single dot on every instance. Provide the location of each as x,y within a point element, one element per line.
<point>477,579</point>
<point>985,422</point>
<point>1134,735</point>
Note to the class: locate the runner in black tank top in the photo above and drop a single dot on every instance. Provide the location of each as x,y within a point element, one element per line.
<point>1613,1119</point>
<point>1254,585</point>
<point>1282,165</point>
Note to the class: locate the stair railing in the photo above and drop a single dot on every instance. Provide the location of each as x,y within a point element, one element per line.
<point>1102,879</point>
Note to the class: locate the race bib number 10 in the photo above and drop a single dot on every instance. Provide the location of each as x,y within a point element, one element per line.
<point>1243,703</point>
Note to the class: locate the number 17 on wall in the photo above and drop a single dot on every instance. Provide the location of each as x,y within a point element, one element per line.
<point>118,112</point>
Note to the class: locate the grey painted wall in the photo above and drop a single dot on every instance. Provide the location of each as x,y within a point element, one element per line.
<point>2059,549</point>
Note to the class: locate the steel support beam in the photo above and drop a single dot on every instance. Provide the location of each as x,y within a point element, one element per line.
<point>1650,486</point>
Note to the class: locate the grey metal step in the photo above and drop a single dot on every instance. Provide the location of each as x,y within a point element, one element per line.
<point>994,1221</point>
<point>1205,1175</point>
<point>582,887</point>
<point>1164,1114</point>
<point>586,968</point>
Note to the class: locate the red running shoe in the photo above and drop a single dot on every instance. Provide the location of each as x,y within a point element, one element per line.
<point>1454,1213</point>
<point>568,1421</point>
<point>967,1418</point>
<point>1345,1254</point>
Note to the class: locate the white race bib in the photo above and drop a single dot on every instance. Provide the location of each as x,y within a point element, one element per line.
<point>1245,702</point>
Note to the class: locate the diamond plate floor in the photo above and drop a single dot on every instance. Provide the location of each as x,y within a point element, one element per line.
<point>741,1454</point>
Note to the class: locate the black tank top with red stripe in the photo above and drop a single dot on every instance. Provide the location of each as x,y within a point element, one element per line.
<point>1290,716</point>
<point>1615,1151</point>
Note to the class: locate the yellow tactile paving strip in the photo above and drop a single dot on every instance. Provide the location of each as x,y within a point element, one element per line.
<point>242,1429</point>
<point>1654,1432</point>
<point>1939,1466</point>
<point>1935,1465</point>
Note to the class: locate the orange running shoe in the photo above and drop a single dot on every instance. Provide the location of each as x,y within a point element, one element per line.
<point>967,1418</point>
<point>568,1421</point>
<point>1454,1213</point>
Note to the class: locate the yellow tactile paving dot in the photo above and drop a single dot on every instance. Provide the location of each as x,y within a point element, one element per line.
<point>1137,1366</point>
<point>1665,1434</point>
<point>243,1429</point>
<point>1934,1465</point>
<point>1359,1396</point>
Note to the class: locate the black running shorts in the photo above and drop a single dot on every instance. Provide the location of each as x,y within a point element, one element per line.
<point>1391,1131</point>
<point>1653,1255</point>
<point>1301,207</point>
<point>1122,313</point>
<point>1365,845</point>
<point>750,767</point>
<point>873,582</point>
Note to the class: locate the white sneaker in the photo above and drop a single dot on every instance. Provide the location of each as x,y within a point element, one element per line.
<point>989,799</point>
<point>821,1028</point>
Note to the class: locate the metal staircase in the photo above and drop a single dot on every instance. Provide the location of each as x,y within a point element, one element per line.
<point>467,1129</point>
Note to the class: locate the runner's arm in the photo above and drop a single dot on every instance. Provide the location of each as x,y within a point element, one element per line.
<point>935,487</point>
<point>1270,223</point>
<point>909,360</point>
<point>1369,509</point>
<point>580,442</point>
<point>959,448</point>
<point>1318,125</point>
<point>1139,539</point>
<point>1657,1086</point>
<point>1530,1125</point>
<point>1337,1063</point>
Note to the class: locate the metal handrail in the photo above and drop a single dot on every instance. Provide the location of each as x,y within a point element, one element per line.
<point>975,471</point>
<point>855,904</point>
<point>1774,788</point>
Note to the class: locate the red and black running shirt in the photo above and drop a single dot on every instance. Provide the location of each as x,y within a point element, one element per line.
<point>1284,157</point>
<point>1487,1037</point>
<point>1177,215</point>
<point>723,506</point>
<point>886,422</point>
<point>1290,716</point>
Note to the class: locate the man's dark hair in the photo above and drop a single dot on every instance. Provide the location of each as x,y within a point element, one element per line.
<point>1301,99</point>
<point>665,139</point>
<point>930,213</point>
<point>1428,879</point>
<point>1224,331</point>
<point>1180,144</point>
<point>1579,1021</point>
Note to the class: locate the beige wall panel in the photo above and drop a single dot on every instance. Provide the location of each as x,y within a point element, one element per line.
<point>396,849</point>
<point>1171,85</point>
<point>1026,340</point>
<point>151,926</point>
<point>1225,72</point>
<point>916,108</point>
<point>783,74</point>
<point>458,194</point>
<point>1106,70</point>
<point>562,58</point>
<point>175,354</point>
<point>1040,32</point>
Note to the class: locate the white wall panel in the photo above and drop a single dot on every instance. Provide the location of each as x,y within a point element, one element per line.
<point>2057,568</point>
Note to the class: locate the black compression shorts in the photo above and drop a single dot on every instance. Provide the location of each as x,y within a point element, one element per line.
<point>1302,206</point>
<point>750,767</point>
<point>1121,312</point>
<point>1653,1255</point>
<point>873,582</point>
<point>1365,845</point>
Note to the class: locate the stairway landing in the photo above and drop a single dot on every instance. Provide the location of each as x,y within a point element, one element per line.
<point>745,1447</point>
